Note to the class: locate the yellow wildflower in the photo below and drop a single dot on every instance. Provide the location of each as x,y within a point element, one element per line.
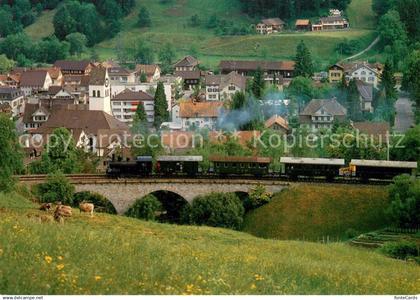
<point>48,259</point>
<point>253,286</point>
<point>60,257</point>
<point>97,277</point>
<point>1,252</point>
<point>60,267</point>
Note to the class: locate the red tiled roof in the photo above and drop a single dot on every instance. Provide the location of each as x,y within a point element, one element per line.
<point>200,109</point>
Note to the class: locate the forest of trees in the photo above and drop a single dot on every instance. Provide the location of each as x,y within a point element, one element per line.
<point>289,9</point>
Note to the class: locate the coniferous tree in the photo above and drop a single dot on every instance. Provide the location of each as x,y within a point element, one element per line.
<point>144,18</point>
<point>353,102</point>
<point>258,84</point>
<point>161,106</point>
<point>140,120</point>
<point>388,82</point>
<point>303,61</point>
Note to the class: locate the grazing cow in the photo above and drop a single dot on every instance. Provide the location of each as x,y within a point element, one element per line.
<point>87,207</point>
<point>62,211</point>
<point>45,207</point>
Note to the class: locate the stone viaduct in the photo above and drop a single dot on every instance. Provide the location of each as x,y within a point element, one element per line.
<point>123,193</point>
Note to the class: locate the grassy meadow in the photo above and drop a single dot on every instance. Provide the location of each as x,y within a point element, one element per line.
<point>116,255</point>
<point>311,212</point>
<point>170,25</point>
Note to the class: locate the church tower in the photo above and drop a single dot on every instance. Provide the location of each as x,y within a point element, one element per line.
<point>100,90</point>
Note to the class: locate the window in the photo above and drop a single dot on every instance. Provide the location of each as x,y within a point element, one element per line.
<point>93,93</point>
<point>99,93</point>
<point>371,79</point>
<point>232,88</point>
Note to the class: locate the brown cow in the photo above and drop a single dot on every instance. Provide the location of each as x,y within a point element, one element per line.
<point>45,207</point>
<point>87,207</point>
<point>62,211</point>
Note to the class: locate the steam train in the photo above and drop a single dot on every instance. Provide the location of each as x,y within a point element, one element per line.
<point>293,168</point>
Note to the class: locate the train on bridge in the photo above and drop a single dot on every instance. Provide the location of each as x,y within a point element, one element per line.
<point>293,168</point>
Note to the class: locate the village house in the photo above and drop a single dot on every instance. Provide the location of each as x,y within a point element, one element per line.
<point>274,71</point>
<point>188,63</point>
<point>152,72</point>
<point>190,79</point>
<point>55,74</point>
<point>269,26</point>
<point>366,72</point>
<point>321,114</point>
<point>35,81</point>
<point>223,87</point>
<point>303,24</point>
<point>199,115</point>
<point>376,130</point>
<point>10,80</point>
<point>74,67</point>
<point>14,98</point>
<point>78,86</point>
<point>87,127</point>
<point>124,105</point>
<point>277,123</point>
<point>366,95</point>
<point>331,23</point>
<point>119,74</point>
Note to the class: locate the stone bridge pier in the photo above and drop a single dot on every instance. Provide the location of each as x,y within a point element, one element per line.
<point>124,193</point>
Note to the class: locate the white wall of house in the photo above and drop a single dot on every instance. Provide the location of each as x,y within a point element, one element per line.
<point>366,75</point>
<point>124,110</point>
<point>199,122</point>
<point>17,105</point>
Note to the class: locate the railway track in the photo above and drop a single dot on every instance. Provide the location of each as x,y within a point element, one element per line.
<point>270,178</point>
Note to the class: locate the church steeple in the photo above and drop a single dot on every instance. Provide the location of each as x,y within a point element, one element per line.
<point>100,90</point>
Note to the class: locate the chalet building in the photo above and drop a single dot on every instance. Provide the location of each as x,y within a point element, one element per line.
<point>366,95</point>
<point>321,114</point>
<point>78,86</point>
<point>190,79</point>
<point>10,80</point>
<point>35,115</point>
<point>153,73</point>
<point>58,92</point>
<point>121,75</point>
<point>368,73</point>
<point>74,67</point>
<point>124,105</point>
<point>269,26</point>
<point>91,130</point>
<point>199,115</point>
<point>35,81</point>
<point>303,24</point>
<point>188,63</point>
<point>223,87</point>
<point>100,90</point>
<point>55,74</point>
<point>274,71</point>
<point>14,98</point>
<point>331,23</point>
<point>278,124</point>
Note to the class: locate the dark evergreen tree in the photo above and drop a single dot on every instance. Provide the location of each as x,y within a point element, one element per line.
<point>144,17</point>
<point>353,102</point>
<point>140,120</point>
<point>161,106</point>
<point>258,84</point>
<point>388,82</point>
<point>303,61</point>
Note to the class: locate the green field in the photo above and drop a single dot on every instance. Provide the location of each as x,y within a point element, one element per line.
<point>314,212</point>
<point>117,255</point>
<point>170,25</point>
<point>43,26</point>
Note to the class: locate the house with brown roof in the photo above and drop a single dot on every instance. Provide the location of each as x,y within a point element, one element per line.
<point>152,72</point>
<point>331,23</point>
<point>269,26</point>
<point>74,67</point>
<point>364,71</point>
<point>84,124</point>
<point>303,24</point>
<point>11,80</point>
<point>188,63</point>
<point>190,79</point>
<point>14,98</point>
<point>277,123</point>
<point>120,75</point>
<point>322,113</point>
<point>199,114</point>
<point>124,105</point>
<point>35,81</point>
<point>223,87</point>
<point>274,71</point>
<point>55,74</point>
<point>376,130</point>
<point>365,95</point>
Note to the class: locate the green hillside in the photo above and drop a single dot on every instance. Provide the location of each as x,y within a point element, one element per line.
<point>311,212</point>
<point>117,255</point>
<point>170,24</point>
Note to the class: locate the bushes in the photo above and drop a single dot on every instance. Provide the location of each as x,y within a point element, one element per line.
<point>145,208</point>
<point>217,210</point>
<point>101,203</point>
<point>258,196</point>
<point>400,250</point>
<point>56,188</point>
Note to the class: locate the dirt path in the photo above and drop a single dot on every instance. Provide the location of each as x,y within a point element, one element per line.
<point>375,41</point>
